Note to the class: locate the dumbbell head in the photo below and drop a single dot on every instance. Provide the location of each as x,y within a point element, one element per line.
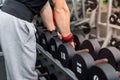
<point>93,47</point>
<point>118,19</point>
<point>66,52</point>
<point>112,54</point>
<point>78,39</point>
<point>115,3</point>
<point>102,71</point>
<point>44,39</point>
<point>91,4</point>
<point>54,43</point>
<point>82,62</point>
<point>113,42</point>
<point>86,28</point>
<point>113,18</point>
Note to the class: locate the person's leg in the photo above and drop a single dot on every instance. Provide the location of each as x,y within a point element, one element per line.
<point>19,47</point>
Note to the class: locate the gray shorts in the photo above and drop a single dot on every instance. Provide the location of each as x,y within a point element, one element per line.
<point>17,39</point>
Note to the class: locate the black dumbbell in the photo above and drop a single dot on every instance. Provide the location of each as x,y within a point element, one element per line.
<point>66,51</point>
<point>103,71</point>
<point>112,54</point>
<point>91,4</point>
<point>54,43</point>
<point>93,46</point>
<point>115,3</point>
<point>113,42</point>
<point>39,30</point>
<point>81,63</point>
<point>113,18</point>
<point>118,19</point>
<point>86,28</point>
<point>45,38</point>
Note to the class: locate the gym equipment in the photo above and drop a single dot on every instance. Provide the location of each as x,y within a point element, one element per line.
<point>114,18</point>
<point>113,42</point>
<point>39,30</point>
<point>118,19</point>
<point>45,38</point>
<point>82,62</point>
<point>116,3</point>
<point>112,54</point>
<point>103,71</point>
<point>91,4</point>
<point>93,46</point>
<point>111,30</point>
<point>53,45</point>
<point>54,65</point>
<point>66,51</point>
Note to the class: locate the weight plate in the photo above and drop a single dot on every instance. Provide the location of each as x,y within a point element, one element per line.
<point>80,65</point>
<point>44,39</point>
<point>113,42</point>
<point>54,43</point>
<point>86,28</point>
<point>102,71</point>
<point>65,53</point>
<point>112,54</point>
<point>78,39</point>
<point>93,46</point>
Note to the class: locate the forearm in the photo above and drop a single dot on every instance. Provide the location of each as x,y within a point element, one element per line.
<point>47,17</point>
<point>62,17</point>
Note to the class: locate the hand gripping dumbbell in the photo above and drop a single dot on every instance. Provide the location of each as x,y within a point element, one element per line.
<point>103,71</point>
<point>56,42</point>
<point>112,54</point>
<point>81,63</point>
<point>66,51</point>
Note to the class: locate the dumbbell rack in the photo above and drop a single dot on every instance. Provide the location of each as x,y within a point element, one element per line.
<point>111,29</point>
<point>54,65</point>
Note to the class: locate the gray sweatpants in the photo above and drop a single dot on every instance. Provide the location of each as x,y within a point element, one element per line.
<point>19,47</point>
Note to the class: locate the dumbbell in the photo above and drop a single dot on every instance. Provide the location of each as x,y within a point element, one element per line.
<point>118,19</point>
<point>45,38</point>
<point>86,28</point>
<point>54,43</point>
<point>115,3</point>
<point>66,51</point>
<point>93,46</point>
<point>39,30</point>
<point>43,71</point>
<point>113,18</point>
<point>91,4</point>
<point>103,71</point>
<point>113,42</point>
<point>112,54</point>
<point>81,63</point>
